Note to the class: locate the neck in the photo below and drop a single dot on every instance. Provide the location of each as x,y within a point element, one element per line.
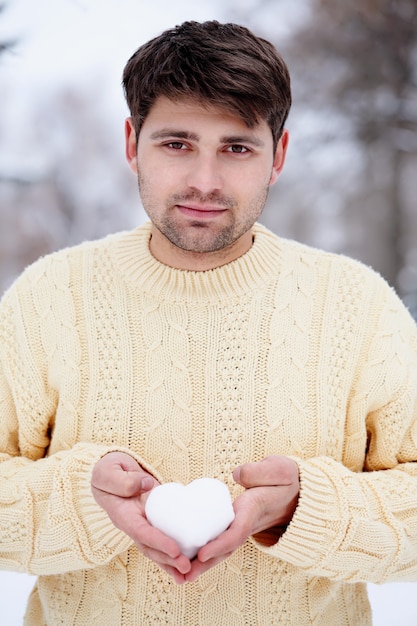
<point>171,255</point>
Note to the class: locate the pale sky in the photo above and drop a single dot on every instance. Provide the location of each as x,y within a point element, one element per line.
<point>70,40</point>
<point>67,37</point>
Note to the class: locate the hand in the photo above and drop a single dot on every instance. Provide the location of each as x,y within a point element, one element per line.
<point>267,504</point>
<point>121,486</point>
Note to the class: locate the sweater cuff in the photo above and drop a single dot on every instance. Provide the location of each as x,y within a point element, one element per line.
<point>99,539</point>
<point>318,521</point>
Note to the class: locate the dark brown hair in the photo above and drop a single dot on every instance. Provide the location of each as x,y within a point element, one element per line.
<point>224,65</point>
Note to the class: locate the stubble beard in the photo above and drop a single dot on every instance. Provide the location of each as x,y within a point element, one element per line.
<point>200,236</point>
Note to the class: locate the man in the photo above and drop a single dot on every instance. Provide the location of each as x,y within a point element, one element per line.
<point>202,345</point>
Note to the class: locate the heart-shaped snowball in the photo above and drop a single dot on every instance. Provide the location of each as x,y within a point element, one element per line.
<point>192,514</point>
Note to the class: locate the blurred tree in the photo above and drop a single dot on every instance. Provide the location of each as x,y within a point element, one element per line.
<point>361,59</point>
<point>67,181</point>
<point>5,44</point>
<point>61,180</point>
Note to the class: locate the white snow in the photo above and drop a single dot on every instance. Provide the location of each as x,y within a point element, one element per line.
<point>192,514</point>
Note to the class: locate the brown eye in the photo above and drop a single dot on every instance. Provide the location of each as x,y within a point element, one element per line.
<point>176,145</point>
<point>237,149</point>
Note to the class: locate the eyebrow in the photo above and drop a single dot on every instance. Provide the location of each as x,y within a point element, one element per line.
<point>166,133</point>
<point>172,132</point>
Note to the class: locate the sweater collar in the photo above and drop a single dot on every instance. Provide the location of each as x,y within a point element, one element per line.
<point>139,268</point>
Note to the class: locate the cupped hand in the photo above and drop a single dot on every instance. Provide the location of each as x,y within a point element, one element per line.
<point>121,486</point>
<point>263,510</point>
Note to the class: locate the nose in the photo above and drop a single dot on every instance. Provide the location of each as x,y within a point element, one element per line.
<point>204,174</point>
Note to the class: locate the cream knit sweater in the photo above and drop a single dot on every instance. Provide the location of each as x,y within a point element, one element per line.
<point>287,350</point>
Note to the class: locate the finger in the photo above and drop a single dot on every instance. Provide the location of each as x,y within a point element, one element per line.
<point>274,470</point>
<point>181,563</point>
<point>155,544</point>
<point>121,476</point>
<point>126,484</point>
<point>176,575</point>
<point>161,549</point>
<point>198,568</point>
<point>225,544</point>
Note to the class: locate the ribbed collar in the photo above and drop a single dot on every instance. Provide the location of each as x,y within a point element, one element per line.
<point>139,268</point>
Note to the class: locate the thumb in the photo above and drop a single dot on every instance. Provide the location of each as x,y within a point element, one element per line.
<point>271,471</point>
<point>147,483</point>
<point>119,474</point>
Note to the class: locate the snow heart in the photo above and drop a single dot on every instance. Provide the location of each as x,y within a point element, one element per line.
<point>192,514</point>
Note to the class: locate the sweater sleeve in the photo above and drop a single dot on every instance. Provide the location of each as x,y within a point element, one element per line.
<point>49,520</point>
<point>361,526</point>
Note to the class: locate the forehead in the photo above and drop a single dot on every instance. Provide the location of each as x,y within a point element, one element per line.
<point>194,114</point>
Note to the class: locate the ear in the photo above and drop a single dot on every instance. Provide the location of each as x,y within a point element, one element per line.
<point>131,145</point>
<point>280,155</point>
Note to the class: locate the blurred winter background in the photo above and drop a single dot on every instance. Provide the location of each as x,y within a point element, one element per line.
<point>350,184</point>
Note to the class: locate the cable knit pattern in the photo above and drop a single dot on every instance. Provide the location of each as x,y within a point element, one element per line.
<point>110,352</point>
<point>168,388</point>
<point>287,350</point>
<point>288,357</point>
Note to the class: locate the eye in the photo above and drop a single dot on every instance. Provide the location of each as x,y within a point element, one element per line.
<point>237,149</point>
<point>176,145</point>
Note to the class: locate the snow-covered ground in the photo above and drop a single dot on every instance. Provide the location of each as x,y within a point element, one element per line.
<point>393,604</point>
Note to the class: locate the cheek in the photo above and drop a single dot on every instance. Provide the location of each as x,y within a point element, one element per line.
<point>154,188</point>
<point>156,176</point>
<point>253,184</point>
<point>146,174</point>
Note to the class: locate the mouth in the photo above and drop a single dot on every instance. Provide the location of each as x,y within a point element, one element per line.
<point>201,212</point>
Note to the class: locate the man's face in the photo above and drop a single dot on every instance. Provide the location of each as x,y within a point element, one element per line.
<point>203,178</point>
